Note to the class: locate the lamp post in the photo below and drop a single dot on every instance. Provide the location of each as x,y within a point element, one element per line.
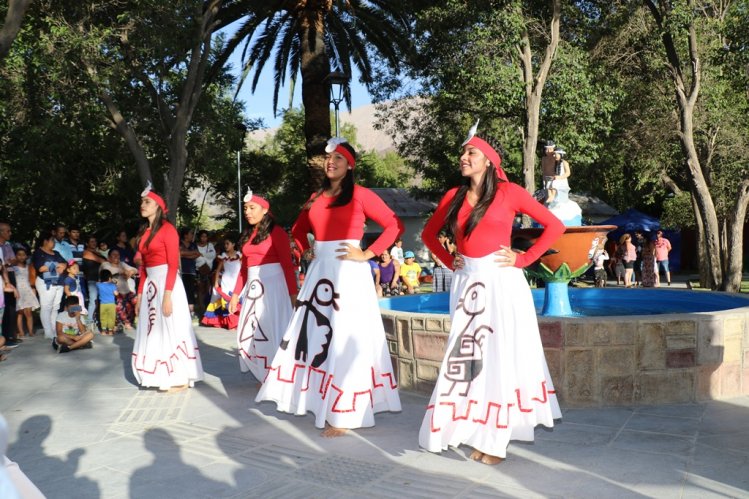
<point>337,81</point>
<point>243,130</point>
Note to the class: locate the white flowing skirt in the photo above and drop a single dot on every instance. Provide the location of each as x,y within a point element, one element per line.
<point>165,352</point>
<point>333,359</point>
<point>266,310</point>
<point>494,384</point>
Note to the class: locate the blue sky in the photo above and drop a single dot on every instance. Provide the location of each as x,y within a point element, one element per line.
<point>260,104</point>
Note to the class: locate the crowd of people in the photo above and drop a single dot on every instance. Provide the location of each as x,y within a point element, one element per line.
<point>634,260</point>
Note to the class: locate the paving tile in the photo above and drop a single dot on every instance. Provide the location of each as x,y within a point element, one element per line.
<point>614,417</point>
<point>215,441</point>
<point>577,434</point>
<point>693,411</point>
<point>656,443</point>
<point>663,424</point>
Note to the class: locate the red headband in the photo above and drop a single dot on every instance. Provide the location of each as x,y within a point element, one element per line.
<point>346,154</point>
<point>260,201</point>
<point>159,200</point>
<point>490,153</point>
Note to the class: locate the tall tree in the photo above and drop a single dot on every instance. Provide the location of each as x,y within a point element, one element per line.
<point>13,18</point>
<point>684,31</point>
<point>309,37</point>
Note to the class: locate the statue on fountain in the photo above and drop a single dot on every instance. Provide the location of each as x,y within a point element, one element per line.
<point>556,189</point>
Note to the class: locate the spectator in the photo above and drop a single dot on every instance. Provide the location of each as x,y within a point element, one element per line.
<point>50,272</point>
<point>7,288</point>
<point>396,252</point>
<point>126,251</point>
<point>71,334</point>
<point>107,292</point>
<point>103,249</point>
<point>649,267</point>
<point>27,300</point>
<point>72,286</point>
<point>204,264</point>
<point>375,269</point>
<point>121,276</point>
<point>442,276</point>
<point>410,273</point>
<point>600,255</point>
<point>629,256</point>
<point>639,243</point>
<point>76,246</point>
<point>91,262</point>
<point>228,267</point>
<point>662,249</point>
<point>8,256</point>
<point>188,253</point>
<point>389,274</point>
<point>61,245</point>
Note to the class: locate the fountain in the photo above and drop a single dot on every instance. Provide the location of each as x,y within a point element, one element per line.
<point>603,346</point>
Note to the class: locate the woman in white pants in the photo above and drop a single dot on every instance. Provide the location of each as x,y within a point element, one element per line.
<point>50,272</point>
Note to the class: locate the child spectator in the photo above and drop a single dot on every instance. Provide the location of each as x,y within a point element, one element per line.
<point>599,257</point>
<point>71,334</point>
<point>73,284</point>
<point>410,273</point>
<point>27,300</point>
<point>107,302</point>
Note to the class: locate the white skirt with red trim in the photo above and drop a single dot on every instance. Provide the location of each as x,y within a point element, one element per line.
<point>333,359</point>
<point>165,352</point>
<point>494,384</point>
<point>265,314</point>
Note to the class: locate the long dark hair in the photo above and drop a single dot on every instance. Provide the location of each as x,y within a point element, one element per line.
<point>158,221</point>
<point>487,191</point>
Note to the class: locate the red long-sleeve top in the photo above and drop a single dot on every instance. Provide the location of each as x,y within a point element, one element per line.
<point>347,222</point>
<point>163,249</point>
<point>273,249</point>
<point>495,228</point>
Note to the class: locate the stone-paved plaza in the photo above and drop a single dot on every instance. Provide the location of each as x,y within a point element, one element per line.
<point>80,428</point>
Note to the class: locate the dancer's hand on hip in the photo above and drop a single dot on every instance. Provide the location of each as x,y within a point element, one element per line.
<point>505,257</point>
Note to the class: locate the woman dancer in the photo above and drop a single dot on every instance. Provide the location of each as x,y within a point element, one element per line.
<point>165,353</point>
<point>267,287</point>
<point>493,384</point>
<point>227,271</point>
<point>333,359</point>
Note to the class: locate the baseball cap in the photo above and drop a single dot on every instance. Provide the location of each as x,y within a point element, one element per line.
<point>409,254</point>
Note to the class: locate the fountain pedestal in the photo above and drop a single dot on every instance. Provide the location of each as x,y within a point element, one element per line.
<point>574,250</point>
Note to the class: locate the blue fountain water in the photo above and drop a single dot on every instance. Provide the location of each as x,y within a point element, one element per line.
<point>597,302</point>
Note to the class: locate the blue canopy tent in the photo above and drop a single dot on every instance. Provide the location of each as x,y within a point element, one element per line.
<point>633,220</point>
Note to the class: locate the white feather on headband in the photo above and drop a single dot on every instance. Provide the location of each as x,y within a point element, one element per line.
<point>248,197</point>
<point>333,143</point>
<point>471,132</point>
<point>149,188</point>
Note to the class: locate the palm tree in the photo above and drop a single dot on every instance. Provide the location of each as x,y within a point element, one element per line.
<point>309,37</point>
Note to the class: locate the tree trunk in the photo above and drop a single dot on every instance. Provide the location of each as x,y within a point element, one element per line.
<point>701,251</point>
<point>534,87</point>
<point>686,99</point>
<point>732,278</point>
<point>314,67</point>
<point>11,27</point>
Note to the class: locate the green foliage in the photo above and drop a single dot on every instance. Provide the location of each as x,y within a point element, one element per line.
<point>469,68</point>
<point>562,274</point>
<point>60,160</point>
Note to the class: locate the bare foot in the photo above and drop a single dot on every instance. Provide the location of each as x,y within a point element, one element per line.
<point>258,385</point>
<point>3,357</point>
<point>476,455</point>
<point>177,389</point>
<point>489,459</point>
<point>332,432</point>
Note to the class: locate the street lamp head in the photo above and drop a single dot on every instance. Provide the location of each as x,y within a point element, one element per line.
<point>337,81</point>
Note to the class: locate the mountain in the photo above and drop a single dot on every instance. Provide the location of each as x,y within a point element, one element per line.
<point>362,118</point>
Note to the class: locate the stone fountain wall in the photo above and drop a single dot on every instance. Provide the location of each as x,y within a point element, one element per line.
<point>602,361</point>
